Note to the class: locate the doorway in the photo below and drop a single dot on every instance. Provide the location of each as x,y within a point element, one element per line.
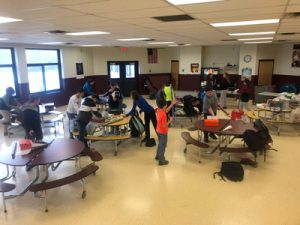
<point>265,71</point>
<point>125,74</point>
<point>175,73</point>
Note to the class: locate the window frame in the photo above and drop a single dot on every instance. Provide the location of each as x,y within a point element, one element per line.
<point>43,65</point>
<point>14,68</point>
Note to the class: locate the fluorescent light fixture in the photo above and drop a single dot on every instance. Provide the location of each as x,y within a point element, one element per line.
<point>133,39</point>
<point>3,39</point>
<point>90,45</point>
<point>51,43</point>
<point>252,33</point>
<point>187,45</point>
<point>256,39</point>
<point>187,2</point>
<point>87,33</point>
<point>161,43</point>
<point>173,45</point>
<point>245,23</point>
<point>258,42</point>
<point>8,20</point>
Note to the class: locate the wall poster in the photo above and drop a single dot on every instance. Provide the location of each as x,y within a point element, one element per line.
<point>296,56</point>
<point>195,67</point>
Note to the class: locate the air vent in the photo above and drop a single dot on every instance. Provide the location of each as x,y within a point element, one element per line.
<point>69,43</point>
<point>150,39</point>
<point>174,18</point>
<point>287,33</point>
<point>292,15</point>
<point>229,40</point>
<point>56,32</point>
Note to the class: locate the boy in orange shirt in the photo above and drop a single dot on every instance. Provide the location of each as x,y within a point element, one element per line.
<point>162,129</point>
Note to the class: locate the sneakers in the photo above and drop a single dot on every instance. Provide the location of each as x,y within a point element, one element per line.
<point>156,158</point>
<point>162,163</point>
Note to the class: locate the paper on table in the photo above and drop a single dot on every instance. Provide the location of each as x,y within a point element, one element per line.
<point>227,128</point>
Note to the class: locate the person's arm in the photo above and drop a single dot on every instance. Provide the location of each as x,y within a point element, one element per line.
<point>132,110</point>
<point>211,112</point>
<point>171,106</point>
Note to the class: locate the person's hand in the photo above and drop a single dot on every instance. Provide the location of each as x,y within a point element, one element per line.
<point>174,101</point>
<point>170,119</point>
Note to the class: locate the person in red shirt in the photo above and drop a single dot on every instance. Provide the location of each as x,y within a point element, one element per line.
<point>244,93</point>
<point>162,129</point>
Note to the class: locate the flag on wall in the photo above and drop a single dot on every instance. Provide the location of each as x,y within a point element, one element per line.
<point>152,55</point>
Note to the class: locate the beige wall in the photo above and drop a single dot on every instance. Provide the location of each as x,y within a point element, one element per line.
<point>283,61</point>
<point>188,55</point>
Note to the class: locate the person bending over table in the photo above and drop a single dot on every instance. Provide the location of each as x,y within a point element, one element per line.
<point>86,111</point>
<point>72,110</point>
<point>210,104</point>
<point>32,119</point>
<point>114,97</point>
<point>149,112</point>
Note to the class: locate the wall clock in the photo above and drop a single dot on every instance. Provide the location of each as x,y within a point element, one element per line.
<point>247,58</point>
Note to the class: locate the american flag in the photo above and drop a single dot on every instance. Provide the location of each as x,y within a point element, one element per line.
<point>152,55</point>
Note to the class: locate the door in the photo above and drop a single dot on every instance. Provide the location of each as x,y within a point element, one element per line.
<point>175,73</point>
<point>265,72</point>
<point>125,73</point>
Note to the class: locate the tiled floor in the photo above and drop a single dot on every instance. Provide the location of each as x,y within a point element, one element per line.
<point>132,189</point>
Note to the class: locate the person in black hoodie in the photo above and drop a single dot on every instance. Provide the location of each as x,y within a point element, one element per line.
<point>31,119</point>
<point>87,109</point>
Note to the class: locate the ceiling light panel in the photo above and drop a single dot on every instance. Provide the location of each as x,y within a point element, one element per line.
<point>134,39</point>
<point>245,23</point>
<point>188,2</point>
<point>253,33</point>
<point>8,19</point>
<point>255,39</point>
<point>3,39</point>
<point>87,33</point>
<point>161,43</point>
<point>258,42</point>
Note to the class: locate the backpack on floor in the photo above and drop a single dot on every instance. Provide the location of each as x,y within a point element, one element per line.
<point>232,171</point>
<point>136,125</point>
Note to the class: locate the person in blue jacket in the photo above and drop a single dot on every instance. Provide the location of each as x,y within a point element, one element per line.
<point>88,87</point>
<point>148,110</point>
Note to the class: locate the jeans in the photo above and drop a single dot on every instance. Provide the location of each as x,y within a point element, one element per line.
<point>206,133</point>
<point>243,105</point>
<point>71,117</point>
<point>161,147</point>
<point>147,117</point>
<point>82,132</point>
<point>223,98</point>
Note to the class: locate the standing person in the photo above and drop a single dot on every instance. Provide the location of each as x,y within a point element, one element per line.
<point>169,93</point>
<point>86,111</point>
<point>210,104</point>
<point>162,130</point>
<point>7,103</point>
<point>88,87</point>
<point>244,94</point>
<point>72,109</point>
<point>148,110</point>
<point>31,118</point>
<point>224,84</point>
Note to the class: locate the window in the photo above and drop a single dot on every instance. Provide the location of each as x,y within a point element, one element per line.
<point>8,76</point>
<point>44,70</point>
<point>130,70</point>
<point>114,71</point>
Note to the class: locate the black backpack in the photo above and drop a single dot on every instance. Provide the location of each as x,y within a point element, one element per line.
<point>253,140</point>
<point>263,132</point>
<point>136,125</point>
<point>232,171</point>
<point>188,107</point>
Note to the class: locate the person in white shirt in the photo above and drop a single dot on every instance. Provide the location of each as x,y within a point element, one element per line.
<point>73,108</point>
